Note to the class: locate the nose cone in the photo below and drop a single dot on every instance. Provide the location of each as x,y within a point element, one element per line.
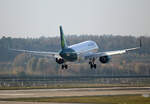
<point>68,54</point>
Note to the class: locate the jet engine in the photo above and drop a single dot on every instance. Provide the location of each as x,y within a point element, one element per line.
<point>104,59</point>
<point>59,60</point>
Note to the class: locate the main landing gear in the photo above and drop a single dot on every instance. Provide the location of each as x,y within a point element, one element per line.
<point>92,64</point>
<point>64,66</point>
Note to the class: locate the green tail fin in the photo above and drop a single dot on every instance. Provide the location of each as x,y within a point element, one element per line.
<point>63,41</point>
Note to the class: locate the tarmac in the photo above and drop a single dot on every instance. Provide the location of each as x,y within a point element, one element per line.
<point>69,93</point>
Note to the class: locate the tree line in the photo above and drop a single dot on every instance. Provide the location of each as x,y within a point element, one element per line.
<point>16,63</point>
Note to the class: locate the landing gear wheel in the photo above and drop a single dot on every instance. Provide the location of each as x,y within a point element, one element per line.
<point>64,66</point>
<point>91,65</point>
<point>94,66</point>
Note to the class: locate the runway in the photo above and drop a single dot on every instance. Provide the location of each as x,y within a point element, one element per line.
<point>73,92</point>
<point>13,102</point>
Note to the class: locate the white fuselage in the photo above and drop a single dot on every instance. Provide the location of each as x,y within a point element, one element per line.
<point>84,47</point>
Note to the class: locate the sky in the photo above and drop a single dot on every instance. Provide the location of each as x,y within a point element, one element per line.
<point>35,18</point>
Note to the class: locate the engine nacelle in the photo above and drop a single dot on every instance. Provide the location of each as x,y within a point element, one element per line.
<point>59,60</point>
<point>104,59</point>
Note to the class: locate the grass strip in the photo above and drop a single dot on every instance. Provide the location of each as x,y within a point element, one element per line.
<point>119,99</point>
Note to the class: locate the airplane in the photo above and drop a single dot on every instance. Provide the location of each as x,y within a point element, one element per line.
<point>87,50</point>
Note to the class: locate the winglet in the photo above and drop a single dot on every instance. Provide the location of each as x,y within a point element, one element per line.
<point>63,41</point>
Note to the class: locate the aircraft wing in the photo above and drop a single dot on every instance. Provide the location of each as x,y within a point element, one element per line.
<point>109,53</point>
<point>39,53</point>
